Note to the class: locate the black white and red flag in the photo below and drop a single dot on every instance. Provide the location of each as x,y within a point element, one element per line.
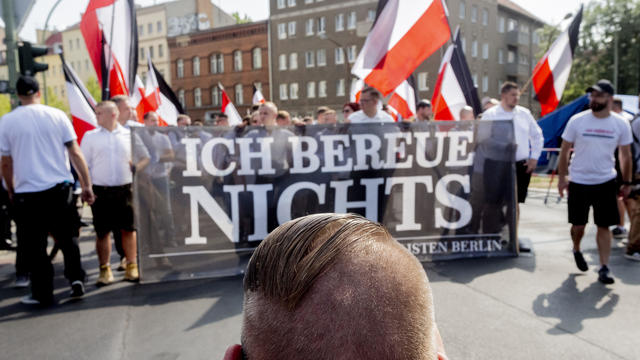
<point>160,98</point>
<point>454,88</point>
<point>404,99</point>
<point>229,109</point>
<point>258,98</point>
<point>81,103</point>
<point>110,33</point>
<point>404,34</point>
<point>552,71</point>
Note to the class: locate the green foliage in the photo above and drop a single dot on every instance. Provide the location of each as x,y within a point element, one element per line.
<point>94,88</point>
<point>5,104</point>
<point>56,102</point>
<point>602,22</point>
<point>240,19</point>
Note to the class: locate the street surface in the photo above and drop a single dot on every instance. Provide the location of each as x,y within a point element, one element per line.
<point>535,306</point>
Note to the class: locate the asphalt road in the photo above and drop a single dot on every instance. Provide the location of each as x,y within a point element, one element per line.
<point>535,306</point>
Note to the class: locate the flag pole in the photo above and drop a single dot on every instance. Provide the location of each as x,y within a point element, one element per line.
<point>106,92</point>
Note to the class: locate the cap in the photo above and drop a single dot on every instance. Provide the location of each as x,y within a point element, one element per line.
<point>603,85</point>
<point>424,103</point>
<point>27,86</point>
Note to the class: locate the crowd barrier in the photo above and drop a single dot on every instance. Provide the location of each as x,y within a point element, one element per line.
<point>208,196</point>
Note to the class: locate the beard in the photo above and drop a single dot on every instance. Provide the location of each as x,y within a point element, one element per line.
<point>596,106</point>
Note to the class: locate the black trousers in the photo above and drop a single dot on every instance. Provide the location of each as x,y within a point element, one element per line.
<point>37,215</point>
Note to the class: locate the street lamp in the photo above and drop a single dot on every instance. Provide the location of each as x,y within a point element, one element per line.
<point>324,36</point>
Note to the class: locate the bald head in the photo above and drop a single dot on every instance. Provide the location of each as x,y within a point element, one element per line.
<point>267,113</point>
<point>336,287</point>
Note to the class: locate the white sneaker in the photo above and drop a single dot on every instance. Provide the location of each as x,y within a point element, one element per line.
<point>29,300</point>
<point>635,256</point>
<point>22,281</point>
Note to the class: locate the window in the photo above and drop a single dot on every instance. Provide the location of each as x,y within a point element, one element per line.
<point>464,44</point>
<point>536,37</point>
<point>308,1</point>
<point>282,62</point>
<point>524,60</point>
<point>181,97</point>
<point>474,48</point>
<point>339,56</point>
<point>322,88</point>
<point>485,17</point>
<point>215,64</point>
<point>475,80</point>
<point>142,53</point>
<point>257,58</point>
<point>292,28</point>
<point>351,53</point>
<point>160,50</point>
<point>340,22</point>
<point>283,92</point>
<point>422,81</point>
<point>258,86</point>
<point>309,27</point>
<point>485,83</point>
<point>501,24</point>
<point>215,96</point>
<point>524,28</point>
<point>282,31</point>
<point>485,51</point>
<point>463,12</point>
<point>237,60</point>
<point>77,43</point>
<point>180,65</point>
<point>371,15</point>
<point>311,89</point>
<point>500,56</point>
<point>309,59</point>
<point>239,97</point>
<point>197,97</point>
<point>474,13</point>
<point>512,25</point>
<point>293,61</point>
<point>351,20</point>
<point>322,25</point>
<point>70,45</point>
<point>196,66</point>
<point>281,4</point>
<point>511,56</point>
<point>140,30</point>
<point>151,52</point>
<point>293,91</point>
<point>321,57</point>
<point>291,3</point>
<point>149,28</point>
<point>159,26</point>
<point>340,87</point>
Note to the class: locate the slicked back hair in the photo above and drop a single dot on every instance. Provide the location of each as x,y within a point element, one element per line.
<point>336,286</point>
<point>508,86</point>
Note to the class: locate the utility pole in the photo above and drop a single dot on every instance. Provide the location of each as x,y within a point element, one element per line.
<point>615,63</point>
<point>10,42</point>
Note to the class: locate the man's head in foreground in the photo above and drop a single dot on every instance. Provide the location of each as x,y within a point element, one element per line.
<point>330,286</point>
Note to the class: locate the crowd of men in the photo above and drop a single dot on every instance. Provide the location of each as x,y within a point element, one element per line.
<point>38,145</point>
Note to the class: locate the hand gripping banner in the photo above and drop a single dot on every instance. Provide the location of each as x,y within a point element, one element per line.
<point>206,197</point>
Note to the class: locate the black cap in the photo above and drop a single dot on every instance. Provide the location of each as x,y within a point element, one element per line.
<point>602,85</point>
<point>27,86</point>
<point>423,103</point>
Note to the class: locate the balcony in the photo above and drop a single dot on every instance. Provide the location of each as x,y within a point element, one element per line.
<point>517,38</point>
<point>516,69</point>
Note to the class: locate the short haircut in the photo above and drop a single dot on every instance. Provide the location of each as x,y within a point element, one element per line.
<point>271,105</point>
<point>423,104</point>
<point>282,114</point>
<point>353,105</point>
<point>371,91</point>
<point>321,110</point>
<point>119,99</point>
<point>222,115</point>
<point>107,104</point>
<point>336,286</point>
<point>508,86</point>
<point>330,112</point>
<point>147,115</point>
<point>183,116</point>
<point>617,102</point>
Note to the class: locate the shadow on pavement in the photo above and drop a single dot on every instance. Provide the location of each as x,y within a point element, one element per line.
<point>466,270</point>
<point>572,306</point>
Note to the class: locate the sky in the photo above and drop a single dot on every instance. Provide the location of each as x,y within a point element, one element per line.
<point>68,12</point>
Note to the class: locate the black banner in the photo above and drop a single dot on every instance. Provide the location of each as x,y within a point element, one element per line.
<point>207,197</point>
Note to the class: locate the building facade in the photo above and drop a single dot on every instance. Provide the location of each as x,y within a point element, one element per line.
<point>235,56</point>
<point>315,42</point>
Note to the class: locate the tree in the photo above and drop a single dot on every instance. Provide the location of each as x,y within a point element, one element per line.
<point>56,102</point>
<point>241,20</point>
<point>94,88</point>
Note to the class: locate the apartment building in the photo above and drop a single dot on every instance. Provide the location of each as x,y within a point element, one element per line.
<point>235,56</point>
<point>315,42</point>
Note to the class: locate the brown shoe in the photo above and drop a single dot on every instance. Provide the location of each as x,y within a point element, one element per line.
<point>132,274</point>
<point>106,277</point>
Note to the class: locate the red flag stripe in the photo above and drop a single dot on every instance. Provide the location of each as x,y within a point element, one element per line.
<point>543,83</point>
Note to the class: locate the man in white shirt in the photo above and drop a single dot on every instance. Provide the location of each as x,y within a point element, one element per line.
<point>370,113</point>
<point>108,153</point>
<point>594,135</point>
<point>37,142</point>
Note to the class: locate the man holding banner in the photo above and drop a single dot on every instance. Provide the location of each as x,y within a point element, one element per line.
<point>594,135</point>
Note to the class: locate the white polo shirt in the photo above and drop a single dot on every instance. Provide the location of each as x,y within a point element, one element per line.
<point>359,117</point>
<point>108,155</point>
<point>528,135</point>
<point>35,136</point>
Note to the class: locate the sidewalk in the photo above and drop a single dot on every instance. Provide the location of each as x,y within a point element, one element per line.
<point>531,307</point>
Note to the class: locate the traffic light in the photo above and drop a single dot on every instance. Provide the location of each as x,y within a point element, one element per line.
<point>26,53</point>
